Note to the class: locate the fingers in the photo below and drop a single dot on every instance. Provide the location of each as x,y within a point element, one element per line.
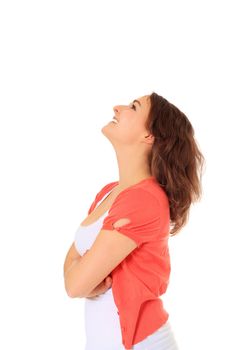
<point>108,281</point>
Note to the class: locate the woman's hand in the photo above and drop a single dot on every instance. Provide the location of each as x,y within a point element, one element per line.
<point>100,288</point>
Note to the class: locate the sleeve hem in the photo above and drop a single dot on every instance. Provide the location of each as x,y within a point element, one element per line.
<point>107,227</point>
<point>121,230</point>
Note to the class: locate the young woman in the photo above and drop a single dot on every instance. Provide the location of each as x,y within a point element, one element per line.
<point>120,259</point>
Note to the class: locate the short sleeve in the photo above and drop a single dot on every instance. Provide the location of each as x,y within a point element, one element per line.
<point>143,211</point>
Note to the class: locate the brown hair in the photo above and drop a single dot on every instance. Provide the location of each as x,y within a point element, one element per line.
<point>175,160</point>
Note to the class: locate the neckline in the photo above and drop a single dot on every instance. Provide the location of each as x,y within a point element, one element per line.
<point>109,192</point>
<point>99,202</point>
<point>137,183</point>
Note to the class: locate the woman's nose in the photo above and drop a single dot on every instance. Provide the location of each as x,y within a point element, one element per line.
<point>116,109</point>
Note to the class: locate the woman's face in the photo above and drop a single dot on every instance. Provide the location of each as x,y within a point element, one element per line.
<point>130,129</point>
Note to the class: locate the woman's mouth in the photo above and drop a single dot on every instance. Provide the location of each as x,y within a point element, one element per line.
<point>114,120</point>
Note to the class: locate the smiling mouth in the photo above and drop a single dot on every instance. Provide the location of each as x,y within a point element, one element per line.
<point>114,120</point>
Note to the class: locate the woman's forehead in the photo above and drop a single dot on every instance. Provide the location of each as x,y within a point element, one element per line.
<point>144,101</point>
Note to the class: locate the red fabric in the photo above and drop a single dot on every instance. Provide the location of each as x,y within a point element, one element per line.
<point>143,276</point>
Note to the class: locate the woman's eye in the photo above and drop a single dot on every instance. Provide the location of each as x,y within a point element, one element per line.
<point>133,106</point>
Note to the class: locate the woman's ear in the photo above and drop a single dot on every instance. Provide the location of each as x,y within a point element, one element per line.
<point>149,139</point>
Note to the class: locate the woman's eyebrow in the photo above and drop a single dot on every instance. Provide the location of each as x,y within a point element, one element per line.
<point>138,102</point>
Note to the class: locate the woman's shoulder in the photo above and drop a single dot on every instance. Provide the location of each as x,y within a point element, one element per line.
<point>144,196</point>
<point>148,190</point>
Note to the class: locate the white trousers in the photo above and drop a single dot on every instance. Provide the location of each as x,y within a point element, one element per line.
<point>162,339</point>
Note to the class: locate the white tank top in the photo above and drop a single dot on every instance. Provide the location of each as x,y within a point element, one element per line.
<point>102,324</point>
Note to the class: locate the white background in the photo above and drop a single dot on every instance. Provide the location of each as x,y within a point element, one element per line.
<point>63,66</point>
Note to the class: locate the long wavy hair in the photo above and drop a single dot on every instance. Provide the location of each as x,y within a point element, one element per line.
<point>175,160</point>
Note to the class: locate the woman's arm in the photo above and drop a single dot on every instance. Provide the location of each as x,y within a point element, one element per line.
<point>71,256</point>
<point>100,289</point>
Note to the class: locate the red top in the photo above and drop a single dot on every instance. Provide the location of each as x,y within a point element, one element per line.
<point>143,276</point>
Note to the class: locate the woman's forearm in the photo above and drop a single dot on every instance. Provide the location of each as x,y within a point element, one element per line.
<point>69,263</point>
<point>68,266</point>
